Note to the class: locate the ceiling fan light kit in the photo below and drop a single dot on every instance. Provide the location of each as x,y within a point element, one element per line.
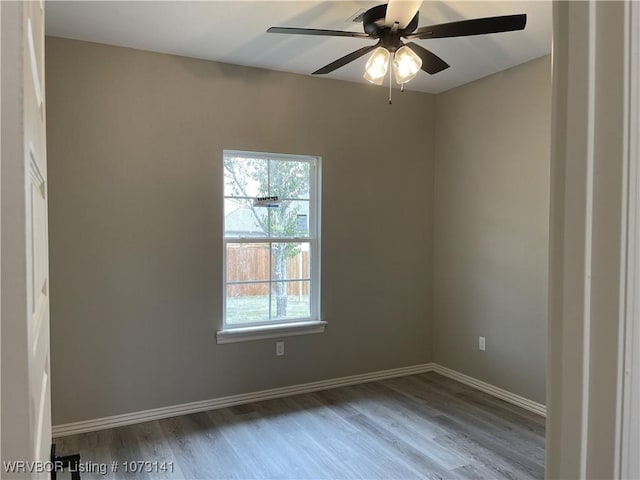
<point>377,65</point>
<point>393,24</point>
<point>406,64</point>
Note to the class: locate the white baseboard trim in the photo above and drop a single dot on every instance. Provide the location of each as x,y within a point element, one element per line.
<point>232,400</point>
<point>497,392</point>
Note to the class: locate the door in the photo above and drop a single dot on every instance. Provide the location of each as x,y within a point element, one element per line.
<point>26,384</point>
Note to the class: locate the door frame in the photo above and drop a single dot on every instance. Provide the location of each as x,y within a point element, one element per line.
<point>594,291</point>
<point>630,428</point>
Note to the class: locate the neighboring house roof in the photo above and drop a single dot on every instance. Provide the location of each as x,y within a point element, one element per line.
<point>242,222</point>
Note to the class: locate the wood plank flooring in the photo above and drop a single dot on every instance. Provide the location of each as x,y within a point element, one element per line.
<point>419,426</point>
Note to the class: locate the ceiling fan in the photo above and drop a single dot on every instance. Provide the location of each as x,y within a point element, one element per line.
<point>394,23</point>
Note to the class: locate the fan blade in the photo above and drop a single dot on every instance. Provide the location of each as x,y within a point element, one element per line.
<point>401,11</point>
<point>477,26</point>
<point>431,63</point>
<point>341,62</point>
<point>314,31</point>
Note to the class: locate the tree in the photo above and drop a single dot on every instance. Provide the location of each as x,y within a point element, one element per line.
<point>285,179</point>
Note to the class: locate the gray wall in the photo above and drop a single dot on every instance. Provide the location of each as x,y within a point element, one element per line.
<point>491,217</point>
<point>135,141</point>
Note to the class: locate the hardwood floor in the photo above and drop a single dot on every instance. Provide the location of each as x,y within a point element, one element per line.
<point>419,426</point>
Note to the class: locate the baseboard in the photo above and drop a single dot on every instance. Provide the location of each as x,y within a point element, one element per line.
<point>492,390</point>
<point>194,407</point>
<point>232,400</point>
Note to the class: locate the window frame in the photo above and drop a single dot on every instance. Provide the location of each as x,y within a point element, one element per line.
<point>286,326</point>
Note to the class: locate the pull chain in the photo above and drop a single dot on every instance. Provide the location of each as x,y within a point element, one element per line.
<point>390,81</point>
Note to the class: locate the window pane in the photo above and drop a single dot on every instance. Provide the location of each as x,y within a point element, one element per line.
<point>290,219</point>
<point>247,262</point>
<point>241,219</point>
<point>268,281</point>
<point>289,179</point>
<point>290,261</point>
<point>290,300</point>
<point>247,303</point>
<point>245,177</point>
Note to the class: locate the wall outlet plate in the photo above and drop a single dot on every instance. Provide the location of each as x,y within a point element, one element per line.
<point>279,348</point>
<point>482,344</point>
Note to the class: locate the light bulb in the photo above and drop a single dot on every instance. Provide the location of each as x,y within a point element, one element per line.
<point>377,65</point>
<point>405,64</point>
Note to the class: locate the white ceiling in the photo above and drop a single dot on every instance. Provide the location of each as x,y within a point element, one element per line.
<point>235,32</point>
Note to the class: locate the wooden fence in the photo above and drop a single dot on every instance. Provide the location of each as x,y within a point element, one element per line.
<point>250,262</point>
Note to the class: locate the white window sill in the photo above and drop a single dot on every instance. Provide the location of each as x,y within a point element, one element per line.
<point>245,334</point>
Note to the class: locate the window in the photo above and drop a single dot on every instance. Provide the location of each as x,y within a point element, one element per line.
<point>271,245</point>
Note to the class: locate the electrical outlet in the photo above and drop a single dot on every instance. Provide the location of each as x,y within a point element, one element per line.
<point>482,345</point>
<point>279,348</point>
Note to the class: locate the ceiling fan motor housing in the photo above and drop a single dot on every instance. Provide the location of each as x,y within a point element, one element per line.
<point>374,24</point>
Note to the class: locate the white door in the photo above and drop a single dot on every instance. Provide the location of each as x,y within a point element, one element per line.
<point>26,389</point>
